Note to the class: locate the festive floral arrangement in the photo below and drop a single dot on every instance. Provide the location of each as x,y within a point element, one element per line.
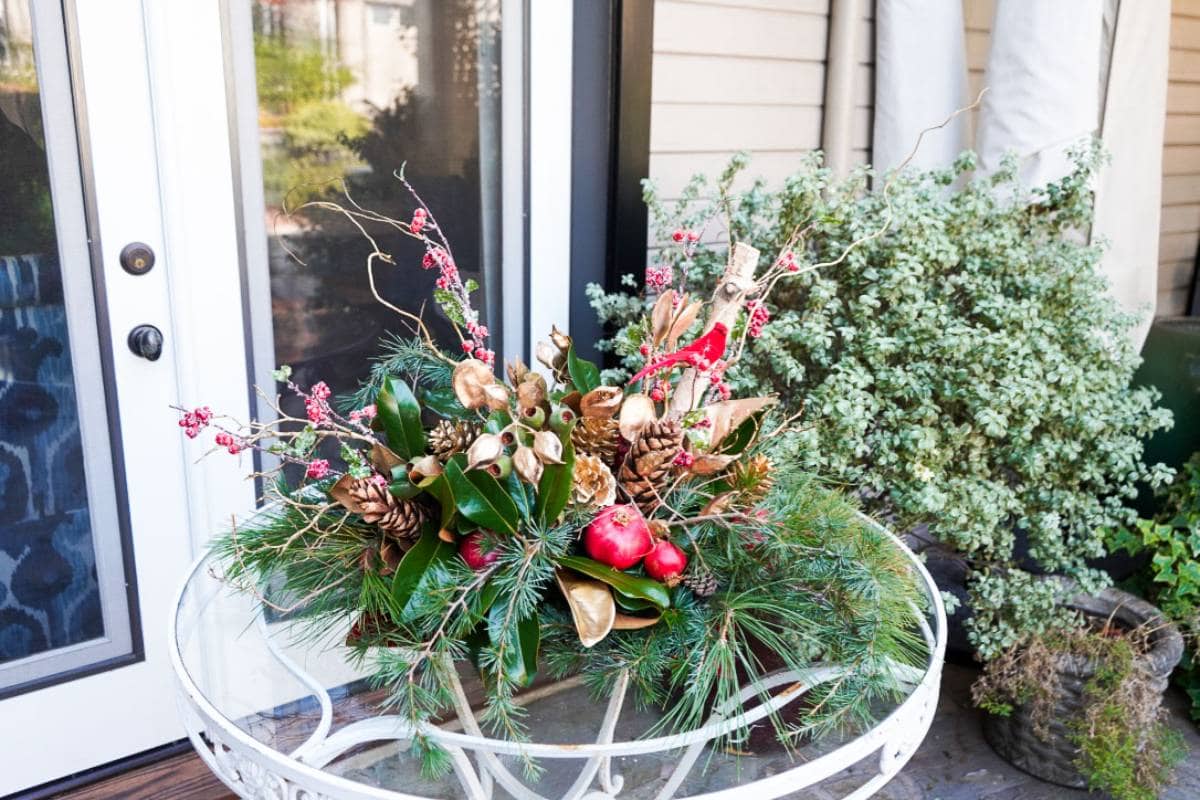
<point>539,521</point>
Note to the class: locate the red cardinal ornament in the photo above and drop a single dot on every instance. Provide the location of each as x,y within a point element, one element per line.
<point>700,353</point>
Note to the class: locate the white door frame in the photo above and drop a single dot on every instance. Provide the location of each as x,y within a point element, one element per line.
<point>86,722</point>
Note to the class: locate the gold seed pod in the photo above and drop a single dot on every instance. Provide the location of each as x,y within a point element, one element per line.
<point>527,465</point>
<point>469,379</point>
<point>484,451</point>
<point>602,402</point>
<point>548,447</point>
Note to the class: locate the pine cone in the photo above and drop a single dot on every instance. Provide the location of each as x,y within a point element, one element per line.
<point>395,517</point>
<point>592,483</point>
<point>701,582</point>
<point>447,438</point>
<point>647,466</point>
<point>752,477</point>
<point>597,437</point>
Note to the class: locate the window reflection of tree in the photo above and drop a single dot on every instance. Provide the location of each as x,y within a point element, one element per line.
<point>442,120</point>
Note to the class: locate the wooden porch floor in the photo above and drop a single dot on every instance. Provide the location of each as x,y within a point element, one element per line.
<point>954,763</point>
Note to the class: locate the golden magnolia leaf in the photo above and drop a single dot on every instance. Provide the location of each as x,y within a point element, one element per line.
<point>548,447</point>
<point>527,465</point>
<point>683,321</point>
<point>340,492</point>
<point>469,379</point>
<point>424,467</point>
<point>637,412</point>
<point>573,401</point>
<point>383,459</point>
<point>719,504</point>
<point>625,622</point>
<point>710,464</point>
<point>484,450</point>
<point>561,340</point>
<point>592,606</point>
<point>727,415</point>
<point>601,402</point>
<point>661,315</point>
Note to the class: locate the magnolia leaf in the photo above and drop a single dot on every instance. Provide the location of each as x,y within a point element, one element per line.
<point>480,498</point>
<point>601,402</point>
<point>682,323</point>
<point>400,415</point>
<point>661,315</point>
<point>429,549</point>
<point>637,412</point>
<point>584,374</point>
<point>591,604</point>
<point>340,492</point>
<point>624,622</point>
<point>554,489</point>
<point>574,401</point>
<point>727,415</point>
<point>628,585</point>
<point>439,487</point>
<point>383,459</point>
<point>709,463</point>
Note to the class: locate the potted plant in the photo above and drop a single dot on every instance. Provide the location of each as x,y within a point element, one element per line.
<point>655,530</point>
<point>1083,707</point>
<point>964,368</point>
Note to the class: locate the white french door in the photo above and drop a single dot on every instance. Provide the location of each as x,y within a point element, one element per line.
<point>96,519</point>
<point>186,127</point>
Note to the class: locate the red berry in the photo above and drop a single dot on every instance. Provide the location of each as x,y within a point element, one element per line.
<point>657,395</point>
<point>472,553</point>
<point>692,236</point>
<point>678,235</point>
<point>618,537</point>
<point>665,562</point>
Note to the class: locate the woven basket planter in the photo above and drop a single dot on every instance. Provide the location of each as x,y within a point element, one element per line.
<point>1053,758</point>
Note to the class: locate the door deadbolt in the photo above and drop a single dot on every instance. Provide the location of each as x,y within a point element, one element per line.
<point>146,341</point>
<point>137,258</point>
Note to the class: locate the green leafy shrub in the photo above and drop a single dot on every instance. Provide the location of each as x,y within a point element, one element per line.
<point>966,369</point>
<point>1172,578</point>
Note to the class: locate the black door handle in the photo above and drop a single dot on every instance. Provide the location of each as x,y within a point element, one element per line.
<point>146,341</point>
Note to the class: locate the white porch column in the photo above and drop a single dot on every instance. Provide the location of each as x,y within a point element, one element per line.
<point>1043,78</point>
<point>1129,191</point>
<point>920,79</point>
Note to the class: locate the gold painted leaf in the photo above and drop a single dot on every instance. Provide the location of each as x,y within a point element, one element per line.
<point>710,464</point>
<point>383,459</point>
<point>682,322</point>
<point>661,315</point>
<point>601,402</point>
<point>727,415</point>
<point>592,606</point>
<point>637,412</point>
<point>626,622</point>
<point>340,492</point>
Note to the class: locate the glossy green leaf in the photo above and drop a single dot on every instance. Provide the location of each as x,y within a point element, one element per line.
<point>744,435</point>
<point>631,586</point>
<point>518,641</point>
<point>400,415</point>
<point>439,487</point>
<point>554,488</point>
<point>584,374</point>
<point>480,498</point>
<point>633,603</point>
<point>441,401</point>
<point>497,421</point>
<point>428,550</point>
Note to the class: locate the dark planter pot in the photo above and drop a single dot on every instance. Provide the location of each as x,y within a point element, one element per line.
<point>1053,759</point>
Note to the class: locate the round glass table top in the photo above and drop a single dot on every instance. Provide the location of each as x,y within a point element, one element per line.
<point>279,718</point>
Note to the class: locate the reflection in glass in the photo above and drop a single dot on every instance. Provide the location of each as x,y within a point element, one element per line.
<point>356,89</point>
<point>49,593</point>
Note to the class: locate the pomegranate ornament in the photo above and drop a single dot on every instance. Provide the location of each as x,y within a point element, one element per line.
<point>472,552</point>
<point>665,562</point>
<point>618,537</point>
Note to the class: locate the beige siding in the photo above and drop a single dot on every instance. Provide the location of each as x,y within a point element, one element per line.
<point>1181,162</point>
<point>749,75</point>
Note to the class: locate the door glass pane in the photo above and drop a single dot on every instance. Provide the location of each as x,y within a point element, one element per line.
<point>59,563</point>
<point>353,89</point>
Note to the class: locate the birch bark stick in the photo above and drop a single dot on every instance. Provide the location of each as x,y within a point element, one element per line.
<point>727,300</point>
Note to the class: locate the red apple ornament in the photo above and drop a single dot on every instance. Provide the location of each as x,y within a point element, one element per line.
<point>471,550</point>
<point>618,536</point>
<point>665,562</point>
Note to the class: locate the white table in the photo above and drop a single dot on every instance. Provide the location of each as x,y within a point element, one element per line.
<point>279,720</point>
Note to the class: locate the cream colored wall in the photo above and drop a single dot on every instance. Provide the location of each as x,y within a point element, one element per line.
<point>1180,232</point>
<point>750,75</point>
<point>734,75</point>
